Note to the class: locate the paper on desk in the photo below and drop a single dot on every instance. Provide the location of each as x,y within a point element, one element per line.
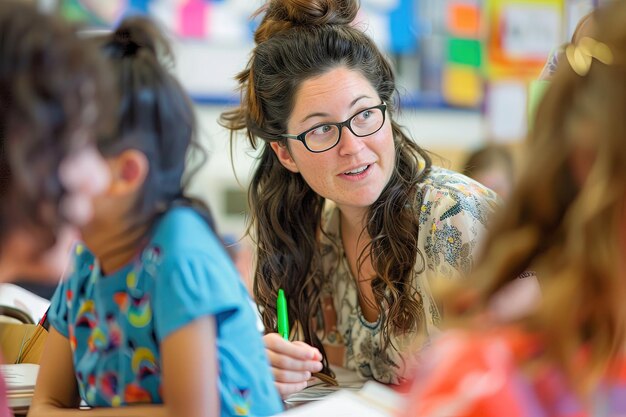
<point>374,400</point>
<point>317,390</point>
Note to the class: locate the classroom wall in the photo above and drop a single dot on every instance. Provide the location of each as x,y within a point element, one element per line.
<point>448,133</point>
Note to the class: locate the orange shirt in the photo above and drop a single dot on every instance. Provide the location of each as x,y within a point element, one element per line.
<point>484,374</point>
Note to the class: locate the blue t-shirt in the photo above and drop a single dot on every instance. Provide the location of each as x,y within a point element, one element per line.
<point>115,323</point>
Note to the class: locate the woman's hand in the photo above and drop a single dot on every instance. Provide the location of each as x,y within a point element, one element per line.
<point>292,363</point>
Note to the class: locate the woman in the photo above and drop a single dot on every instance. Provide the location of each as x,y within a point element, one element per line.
<point>350,217</point>
<point>566,219</point>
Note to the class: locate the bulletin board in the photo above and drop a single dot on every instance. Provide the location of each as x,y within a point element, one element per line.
<point>447,53</point>
<point>212,39</point>
<point>520,36</point>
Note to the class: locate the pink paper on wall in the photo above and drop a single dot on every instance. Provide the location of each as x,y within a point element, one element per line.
<point>192,19</point>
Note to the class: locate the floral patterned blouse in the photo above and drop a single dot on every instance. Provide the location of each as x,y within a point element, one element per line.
<point>453,214</point>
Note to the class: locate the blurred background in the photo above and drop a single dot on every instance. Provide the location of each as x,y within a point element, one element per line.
<point>464,69</point>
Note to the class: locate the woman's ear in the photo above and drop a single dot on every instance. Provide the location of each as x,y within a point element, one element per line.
<point>282,152</point>
<point>129,171</point>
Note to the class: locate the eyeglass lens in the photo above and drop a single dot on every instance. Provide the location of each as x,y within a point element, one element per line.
<point>361,124</point>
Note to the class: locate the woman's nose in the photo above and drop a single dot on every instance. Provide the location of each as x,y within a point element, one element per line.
<point>349,143</point>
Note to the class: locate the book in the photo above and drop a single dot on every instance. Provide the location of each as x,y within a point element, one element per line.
<point>22,343</point>
<point>12,295</point>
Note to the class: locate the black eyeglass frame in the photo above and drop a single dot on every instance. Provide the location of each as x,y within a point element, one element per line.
<point>382,107</point>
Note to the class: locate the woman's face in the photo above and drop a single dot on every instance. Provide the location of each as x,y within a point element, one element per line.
<point>353,173</point>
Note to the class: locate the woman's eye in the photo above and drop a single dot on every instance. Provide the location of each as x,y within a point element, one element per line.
<point>363,116</point>
<point>321,130</point>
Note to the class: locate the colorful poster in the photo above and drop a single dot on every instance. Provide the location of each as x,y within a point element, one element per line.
<point>520,36</point>
<point>462,78</point>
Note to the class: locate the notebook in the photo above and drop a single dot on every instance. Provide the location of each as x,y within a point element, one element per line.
<point>318,390</point>
<point>373,400</point>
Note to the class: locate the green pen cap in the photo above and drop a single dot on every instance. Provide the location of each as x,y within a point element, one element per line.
<point>281,313</point>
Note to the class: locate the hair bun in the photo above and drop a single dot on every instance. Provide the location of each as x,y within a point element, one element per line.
<point>137,34</point>
<point>281,15</point>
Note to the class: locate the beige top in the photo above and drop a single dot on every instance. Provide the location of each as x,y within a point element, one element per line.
<point>453,215</point>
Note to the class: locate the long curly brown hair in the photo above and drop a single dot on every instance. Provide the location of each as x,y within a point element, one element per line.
<point>567,215</point>
<point>54,98</point>
<point>286,212</point>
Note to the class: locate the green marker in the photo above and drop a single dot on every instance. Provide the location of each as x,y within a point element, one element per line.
<point>281,312</point>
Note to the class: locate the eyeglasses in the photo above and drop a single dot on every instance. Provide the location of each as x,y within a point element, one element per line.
<point>326,136</point>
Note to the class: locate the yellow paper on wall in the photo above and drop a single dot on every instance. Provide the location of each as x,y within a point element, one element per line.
<point>462,86</point>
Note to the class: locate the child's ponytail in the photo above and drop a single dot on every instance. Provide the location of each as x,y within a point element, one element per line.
<point>155,115</point>
<point>138,36</point>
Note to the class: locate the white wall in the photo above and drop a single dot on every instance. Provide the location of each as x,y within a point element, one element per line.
<point>433,129</point>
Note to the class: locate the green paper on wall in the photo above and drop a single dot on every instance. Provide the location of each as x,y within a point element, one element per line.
<point>464,52</point>
<point>536,90</point>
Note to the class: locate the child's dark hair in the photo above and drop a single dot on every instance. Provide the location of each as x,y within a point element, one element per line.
<point>55,97</point>
<point>487,157</point>
<point>155,114</point>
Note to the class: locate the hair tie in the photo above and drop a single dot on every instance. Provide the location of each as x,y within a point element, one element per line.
<point>581,55</point>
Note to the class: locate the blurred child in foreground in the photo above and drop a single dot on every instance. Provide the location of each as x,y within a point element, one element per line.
<point>566,220</point>
<point>54,99</point>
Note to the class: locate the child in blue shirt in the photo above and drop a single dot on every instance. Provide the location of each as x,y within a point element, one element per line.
<point>154,319</point>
